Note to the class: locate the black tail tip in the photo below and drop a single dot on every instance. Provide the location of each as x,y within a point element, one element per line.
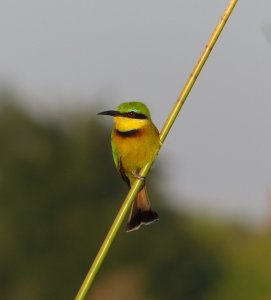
<point>142,217</point>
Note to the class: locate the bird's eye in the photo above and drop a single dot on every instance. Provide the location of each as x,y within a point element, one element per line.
<point>131,114</point>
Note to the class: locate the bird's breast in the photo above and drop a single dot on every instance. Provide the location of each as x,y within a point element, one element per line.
<point>135,147</point>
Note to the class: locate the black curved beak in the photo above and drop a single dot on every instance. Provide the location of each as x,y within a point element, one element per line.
<point>112,113</point>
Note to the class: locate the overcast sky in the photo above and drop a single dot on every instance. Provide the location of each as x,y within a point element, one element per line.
<point>218,152</point>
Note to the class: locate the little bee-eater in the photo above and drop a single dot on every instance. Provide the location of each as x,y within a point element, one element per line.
<point>135,141</point>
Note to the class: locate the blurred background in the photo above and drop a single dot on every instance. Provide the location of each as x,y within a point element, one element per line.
<point>61,62</point>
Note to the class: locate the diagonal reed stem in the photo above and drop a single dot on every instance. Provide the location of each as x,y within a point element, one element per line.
<point>163,134</point>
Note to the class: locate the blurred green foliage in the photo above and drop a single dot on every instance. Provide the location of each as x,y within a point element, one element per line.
<point>59,193</point>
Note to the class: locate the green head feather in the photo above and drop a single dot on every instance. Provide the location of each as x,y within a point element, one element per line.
<point>137,107</point>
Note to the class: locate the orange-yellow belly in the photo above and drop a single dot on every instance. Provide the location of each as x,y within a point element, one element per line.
<point>137,150</point>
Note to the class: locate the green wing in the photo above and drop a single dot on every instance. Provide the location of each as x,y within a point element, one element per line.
<point>115,153</point>
<point>118,163</point>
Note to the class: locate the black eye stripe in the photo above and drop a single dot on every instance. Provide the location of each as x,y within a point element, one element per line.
<point>134,115</point>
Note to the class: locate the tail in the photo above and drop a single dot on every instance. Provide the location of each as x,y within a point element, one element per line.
<point>141,212</point>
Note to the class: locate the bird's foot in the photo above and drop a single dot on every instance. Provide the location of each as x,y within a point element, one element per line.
<point>138,176</point>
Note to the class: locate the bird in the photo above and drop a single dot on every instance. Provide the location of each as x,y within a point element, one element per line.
<point>135,142</point>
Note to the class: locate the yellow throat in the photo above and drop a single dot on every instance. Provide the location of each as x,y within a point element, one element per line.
<point>126,124</point>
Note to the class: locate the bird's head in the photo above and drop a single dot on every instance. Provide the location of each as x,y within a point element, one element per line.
<point>129,116</point>
<point>131,110</point>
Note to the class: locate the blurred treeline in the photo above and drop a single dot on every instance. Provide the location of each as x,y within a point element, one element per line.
<point>59,193</point>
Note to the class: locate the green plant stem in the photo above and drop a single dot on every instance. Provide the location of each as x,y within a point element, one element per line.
<point>163,134</point>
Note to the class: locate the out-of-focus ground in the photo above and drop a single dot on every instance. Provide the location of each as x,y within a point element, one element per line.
<point>59,193</point>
